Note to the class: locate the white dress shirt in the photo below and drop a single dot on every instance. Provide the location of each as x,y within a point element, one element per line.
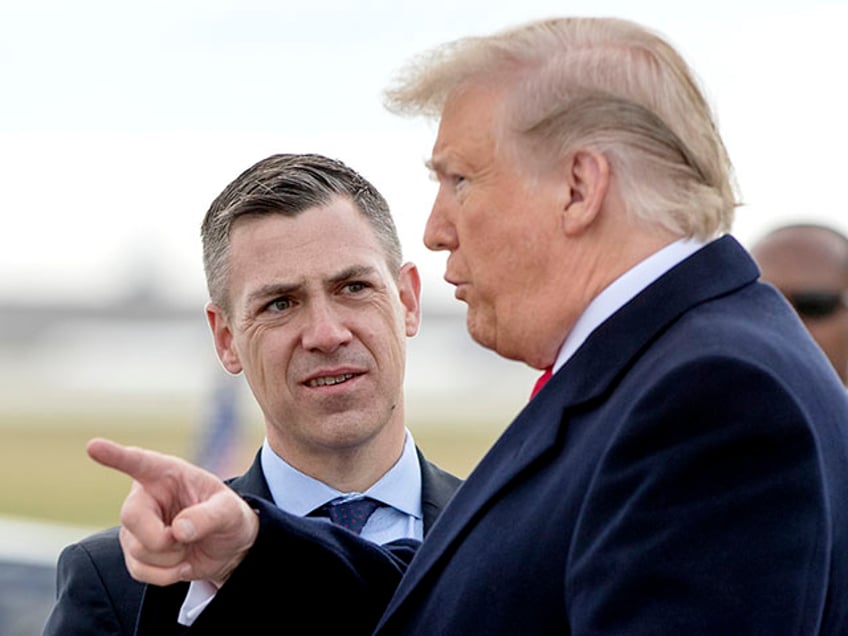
<point>621,291</point>
<point>299,494</point>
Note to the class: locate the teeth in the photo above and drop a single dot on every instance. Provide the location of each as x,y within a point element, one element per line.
<point>330,380</point>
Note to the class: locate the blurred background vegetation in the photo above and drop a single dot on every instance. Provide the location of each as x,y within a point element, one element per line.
<point>142,370</point>
<point>48,476</point>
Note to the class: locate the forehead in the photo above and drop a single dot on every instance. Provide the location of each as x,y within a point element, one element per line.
<point>468,127</point>
<point>803,259</point>
<point>320,240</point>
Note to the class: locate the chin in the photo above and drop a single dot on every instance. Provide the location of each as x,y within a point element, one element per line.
<point>478,333</point>
<point>486,335</point>
<point>508,348</point>
<point>481,339</point>
<point>350,434</point>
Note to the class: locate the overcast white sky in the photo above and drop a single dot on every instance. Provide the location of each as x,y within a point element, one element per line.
<point>119,122</point>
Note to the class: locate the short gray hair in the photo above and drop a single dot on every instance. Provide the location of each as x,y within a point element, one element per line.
<point>288,184</point>
<point>600,83</point>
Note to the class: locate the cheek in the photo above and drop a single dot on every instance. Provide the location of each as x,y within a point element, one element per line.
<point>820,330</point>
<point>840,333</point>
<point>386,338</point>
<point>267,355</point>
<point>508,243</point>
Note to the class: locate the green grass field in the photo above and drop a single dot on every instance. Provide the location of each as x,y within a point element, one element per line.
<point>46,474</point>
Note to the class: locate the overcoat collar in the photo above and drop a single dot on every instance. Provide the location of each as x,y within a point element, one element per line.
<point>717,269</point>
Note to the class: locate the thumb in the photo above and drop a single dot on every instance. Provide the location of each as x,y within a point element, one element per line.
<point>218,532</point>
<point>220,516</point>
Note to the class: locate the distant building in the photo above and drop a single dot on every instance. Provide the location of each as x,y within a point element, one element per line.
<point>145,353</point>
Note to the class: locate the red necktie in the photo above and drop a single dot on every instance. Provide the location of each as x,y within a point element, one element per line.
<point>543,379</point>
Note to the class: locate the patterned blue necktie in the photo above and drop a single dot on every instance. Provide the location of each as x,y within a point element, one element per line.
<point>352,515</point>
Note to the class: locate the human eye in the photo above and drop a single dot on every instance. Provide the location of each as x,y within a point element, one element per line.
<point>442,173</point>
<point>279,305</point>
<point>356,287</point>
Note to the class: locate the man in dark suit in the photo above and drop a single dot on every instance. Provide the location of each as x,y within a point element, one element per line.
<point>97,595</point>
<point>685,468</point>
<point>808,263</point>
<point>310,299</point>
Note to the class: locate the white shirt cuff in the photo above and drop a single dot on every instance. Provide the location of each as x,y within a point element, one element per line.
<point>200,594</point>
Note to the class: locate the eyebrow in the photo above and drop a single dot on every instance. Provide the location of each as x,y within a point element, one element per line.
<point>354,271</point>
<point>434,165</point>
<point>271,291</point>
<point>284,289</point>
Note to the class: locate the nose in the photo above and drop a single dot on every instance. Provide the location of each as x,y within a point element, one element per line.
<point>326,330</point>
<point>440,232</point>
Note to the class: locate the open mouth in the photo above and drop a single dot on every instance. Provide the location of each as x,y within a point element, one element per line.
<point>329,380</point>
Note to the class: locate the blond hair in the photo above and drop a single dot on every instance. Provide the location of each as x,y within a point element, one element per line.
<point>600,83</point>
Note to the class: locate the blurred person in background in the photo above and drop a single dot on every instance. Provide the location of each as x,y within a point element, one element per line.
<point>311,301</point>
<point>809,265</point>
<point>684,470</point>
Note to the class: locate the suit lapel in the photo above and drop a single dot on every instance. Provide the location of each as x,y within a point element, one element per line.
<point>437,487</point>
<point>526,439</point>
<point>252,482</point>
<point>718,269</point>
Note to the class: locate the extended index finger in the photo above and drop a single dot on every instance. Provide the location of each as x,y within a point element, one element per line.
<point>142,465</point>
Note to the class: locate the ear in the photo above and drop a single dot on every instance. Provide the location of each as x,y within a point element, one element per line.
<point>409,286</point>
<point>587,178</point>
<point>223,337</point>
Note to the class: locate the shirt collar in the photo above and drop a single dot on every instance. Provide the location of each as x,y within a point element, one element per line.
<point>299,494</point>
<point>621,291</point>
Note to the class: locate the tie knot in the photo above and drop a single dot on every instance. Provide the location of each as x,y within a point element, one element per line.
<point>350,514</point>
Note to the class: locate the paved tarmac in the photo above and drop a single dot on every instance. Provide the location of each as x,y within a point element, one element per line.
<point>27,591</point>
<point>28,553</point>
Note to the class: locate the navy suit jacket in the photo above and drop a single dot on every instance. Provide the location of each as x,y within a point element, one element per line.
<point>97,595</point>
<point>686,472</point>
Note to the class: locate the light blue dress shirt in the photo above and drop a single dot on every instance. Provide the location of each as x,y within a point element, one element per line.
<point>399,489</point>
